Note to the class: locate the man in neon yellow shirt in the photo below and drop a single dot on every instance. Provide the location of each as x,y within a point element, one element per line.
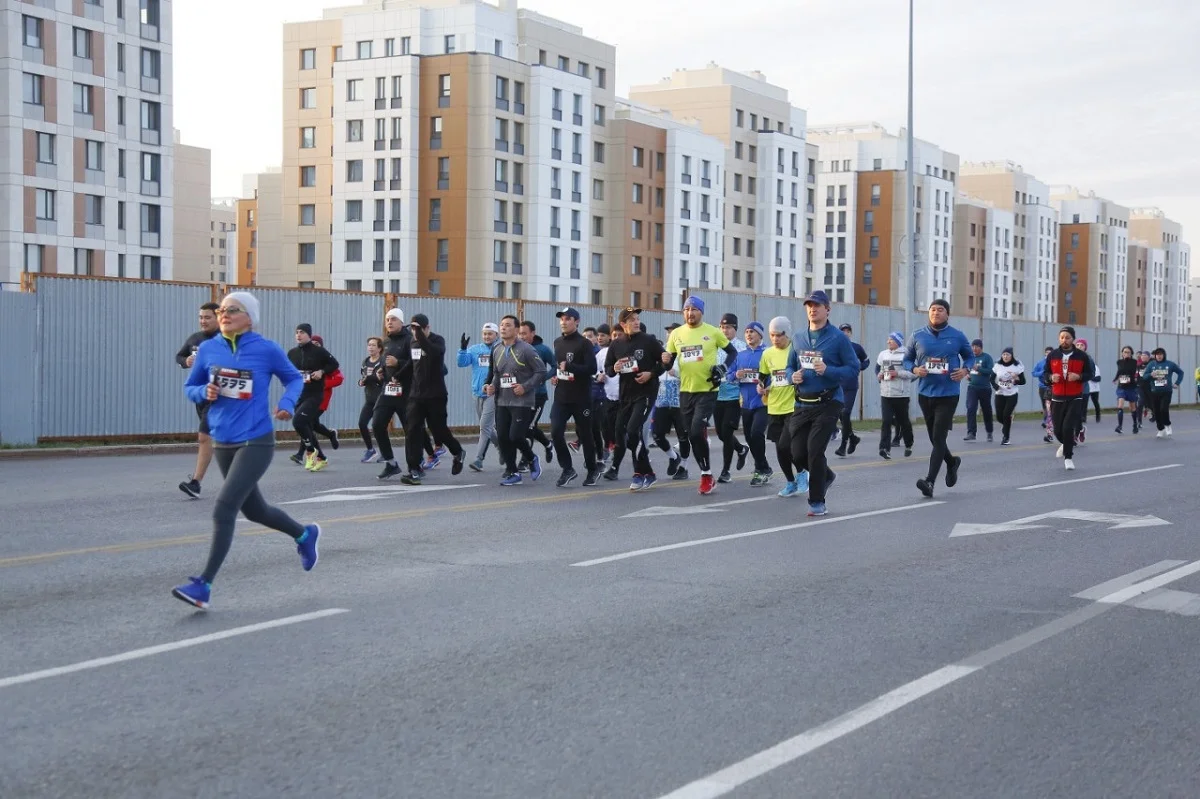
<point>695,345</point>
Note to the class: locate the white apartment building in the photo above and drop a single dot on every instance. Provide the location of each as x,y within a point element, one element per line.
<point>1152,226</point>
<point>861,195</point>
<point>983,263</point>
<point>86,174</point>
<point>1107,264</point>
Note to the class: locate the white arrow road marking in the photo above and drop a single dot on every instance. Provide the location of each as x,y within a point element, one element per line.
<point>715,507</point>
<point>1117,520</point>
<point>379,492</point>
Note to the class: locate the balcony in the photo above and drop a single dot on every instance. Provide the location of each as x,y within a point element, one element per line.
<point>502,185</point>
<point>394,184</point>
<point>575,235</point>
<point>828,202</point>
<point>395,144</point>
<point>555,233</point>
<point>793,263</point>
<point>577,119</point>
<point>518,229</point>
<point>577,158</point>
<point>841,200</point>
<point>393,224</point>
<point>705,183</point>
<point>841,253</point>
<point>685,213</point>
<point>149,32</point>
<point>500,226</point>
<point>501,104</point>
<point>556,153</point>
<point>517,268</point>
<point>380,145</point>
<point>394,265</point>
<point>841,228</point>
<point>574,272</point>
<point>705,216</point>
<point>502,145</point>
<point>685,248</point>
<point>378,224</point>
<point>379,185</point>
<point>518,188</point>
<point>380,103</point>
<point>518,108</point>
<point>396,102</point>
<point>377,266</point>
<point>704,251</point>
<point>576,197</point>
<point>148,84</point>
<point>518,148</point>
<point>500,267</point>
<point>150,239</point>
<point>556,114</point>
<point>555,194</point>
<point>686,178</point>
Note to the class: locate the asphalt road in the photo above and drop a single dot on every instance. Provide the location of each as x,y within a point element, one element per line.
<point>477,641</point>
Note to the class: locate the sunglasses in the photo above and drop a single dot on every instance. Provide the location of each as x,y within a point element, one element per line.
<point>232,311</point>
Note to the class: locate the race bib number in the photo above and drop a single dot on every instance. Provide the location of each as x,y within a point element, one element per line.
<point>307,377</point>
<point>809,359</point>
<point>1160,379</point>
<point>1123,380</point>
<point>564,375</point>
<point>692,354</point>
<point>508,381</point>
<point>235,384</point>
<point>779,378</point>
<point>485,361</point>
<point>889,373</point>
<point>749,376</point>
<point>416,353</point>
<point>625,366</point>
<point>1006,384</point>
<point>393,390</point>
<point>937,366</point>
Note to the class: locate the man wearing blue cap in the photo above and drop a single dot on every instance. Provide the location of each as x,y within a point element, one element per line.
<point>695,345</point>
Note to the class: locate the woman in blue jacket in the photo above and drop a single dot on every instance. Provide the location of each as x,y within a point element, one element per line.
<point>1157,374</point>
<point>233,371</point>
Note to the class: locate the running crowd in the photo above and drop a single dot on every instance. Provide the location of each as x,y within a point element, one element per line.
<point>625,390</point>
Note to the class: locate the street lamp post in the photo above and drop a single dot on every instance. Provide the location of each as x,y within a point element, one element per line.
<point>910,302</point>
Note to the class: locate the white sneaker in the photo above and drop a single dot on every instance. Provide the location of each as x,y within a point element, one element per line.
<point>1161,434</point>
<point>1070,464</point>
<point>1168,431</point>
<point>1059,454</point>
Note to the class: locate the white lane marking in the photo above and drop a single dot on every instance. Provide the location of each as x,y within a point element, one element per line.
<point>1126,580</point>
<point>1129,592</point>
<point>149,651</point>
<point>733,536</point>
<point>398,489</point>
<point>374,492</point>
<point>1098,477</point>
<point>732,777</point>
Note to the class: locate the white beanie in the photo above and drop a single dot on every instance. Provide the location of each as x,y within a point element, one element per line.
<point>247,301</point>
<point>781,324</point>
<point>397,313</point>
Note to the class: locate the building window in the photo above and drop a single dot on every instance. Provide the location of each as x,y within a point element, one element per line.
<point>354,209</point>
<point>308,176</point>
<point>81,42</point>
<point>45,148</point>
<point>443,255</point>
<point>83,98</point>
<point>45,204</point>
<point>354,171</point>
<point>443,91</point>
<point>308,138</point>
<point>308,97</point>
<point>308,215</point>
<point>353,251</point>
<point>448,44</point>
<point>94,155</point>
<point>307,253</point>
<point>364,49</point>
<point>601,77</point>
<point>354,89</point>
<point>308,58</point>
<point>598,152</point>
<point>354,130</point>
<point>31,31</point>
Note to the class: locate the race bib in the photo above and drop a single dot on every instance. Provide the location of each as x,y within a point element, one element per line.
<point>485,361</point>
<point>508,381</point>
<point>1006,384</point>
<point>235,384</point>
<point>809,359</point>
<point>625,366</point>
<point>889,373</point>
<point>1160,379</point>
<point>307,377</point>
<point>393,390</point>
<point>416,353</point>
<point>564,375</point>
<point>937,366</point>
<point>1123,380</point>
<point>692,354</point>
<point>779,378</point>
<point>1066,367</point>
<point>749,376</point>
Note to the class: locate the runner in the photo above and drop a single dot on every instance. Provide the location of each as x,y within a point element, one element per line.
<point>696,344</point>
<point>1039,374</point>
<point>233,374</point>
<point>1093,386</point>
<point>612,388</point>
<point>1144,387</point>
<point>428,400</point>
<point>979,391</point>
<point>517,371</point>
<point>754,410</point>
<point>822,361</point>
<point>637,357</point>
<point>850,385</point>
<point>1158,372</point>
<point>895,392</point>
<point>370,379</point>
<point>666,417</point>
<point>1126,381</point>
<point>1070,370</point>
<point>397,377</point>
<point>575,364</point>
<point>332,381</point>
<point>1007,375</point>
<point>940,357</point>
<point>314,363</point>
<point>728,411</point>
<point>529,336</point>
<point>599,398</point>
<point>479,359</point>
<point>185,358</point>
<point>775,384</point>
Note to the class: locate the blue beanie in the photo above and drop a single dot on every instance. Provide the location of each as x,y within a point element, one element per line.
<point>897,337</point>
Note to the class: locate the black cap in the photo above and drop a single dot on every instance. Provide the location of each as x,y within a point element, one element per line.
<point>844,326</point>
<point>1068,329</point>
<point>604,328</point>
<point>941,302</point>
<point>306,327</point>
<point>977,343</point>
<point>419,319</point>
<point>628,312</point>
<point>672,326</point>
<point>729,319</point>
<point>568,311</point>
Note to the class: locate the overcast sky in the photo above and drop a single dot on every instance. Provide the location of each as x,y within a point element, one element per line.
<point>1100,94</point>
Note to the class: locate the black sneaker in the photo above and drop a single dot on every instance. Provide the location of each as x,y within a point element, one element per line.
<point>611,474</point>
<point>969,437</point>
<point>886,455</point>
<point>566,477</point>
<point>853,444</point>
<point>1004,442</point>
<point>191,487</point>
<point>908,452</point>
<point>682,474</point>
<point>841,451</point>
<point>673,465</point>
<point>896,442</point>
<point>741,461</point>
<point>926,488</point>
<point>459,459</point>
<point>725,477</point>
<point>297,459</point>
<point>389,470</point>
<point>549,454</point>
<point>333,439</point>
<point>593,476</point>
<point>411,479</point>
<point>952,471</point>
<point>1118,431</point>
<point>989,438</point>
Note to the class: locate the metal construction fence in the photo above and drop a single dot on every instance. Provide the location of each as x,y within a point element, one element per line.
<point>92,358</point>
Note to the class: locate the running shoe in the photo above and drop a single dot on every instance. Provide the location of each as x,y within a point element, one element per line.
<point>535,468</point>
<point>459,459</point>
<point>191,487</point>
<point>636,483</point>
<point>389,470</point>
<point>611,474</point>
<point>309,458</point>
<point>648,480</point>
<point>926,487</point>
<point>476,465</point>
<point>411,479</point>
<point>680,474</point>
<point>802,481</point>
<point>790,489</point>
<point>297,459</point>
<point>1069,464</point>
<point>816,509</point>
<point>707,484</point>
<point>725,477</point>
<point>195,592</point>
<point>566,477</point>
<point>673,464</point>
<point>306,545</point>
<point>333,439</point>
<point>368,456</point>
<point>854,442</point>
<point>511,479</point>
<point>319,463</point>
<point>952,471</point>
<point>741,457</point>
<point>593,476</point>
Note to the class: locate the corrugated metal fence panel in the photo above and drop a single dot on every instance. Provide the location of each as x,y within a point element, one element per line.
<point>108,356</point>
<point>719,303</point>
<point>18,369</point>
<point>769,307</point>
<point>1028,344</point>
<point>872,329</point>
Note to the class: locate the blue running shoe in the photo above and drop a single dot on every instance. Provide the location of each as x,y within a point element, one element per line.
<point>513,479</point>
<point>802,481</point>
<point>368,456</point>
<point>535,468</point>
<point>647,481</point>
<point>636,483</point>
<point>195,592</point>
<point>790,489</point>
<point>306,545</point>
<point>816,509</point>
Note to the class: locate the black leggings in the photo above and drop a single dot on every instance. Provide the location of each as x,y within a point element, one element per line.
<point>304,421</point>
<point>896,423</point>
<point>581,412</point>
<point>512,426</point>
<point>1160,406</point>
<point>662,422</point>
<point>726,417</point>
<point>631,421</point>
<point>432,412</point>
<point>777,433</point>
<point>808,432</point>
<point>1095,402</point>
<point>939,418</point>
<point>242,466</point>
<point>849,405</point>
<point>1067,416</point>
<point>696,408</point>
<point>364,420</point>
<point>534,433</point>
<point>1005,405</point>
<point>754,425</point>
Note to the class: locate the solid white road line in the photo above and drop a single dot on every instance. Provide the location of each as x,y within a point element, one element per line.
<point>1126,580</point>
<point>1125,594</point>
<point>733,536</point>
<point>1097,477</point>
<point>149,651</point>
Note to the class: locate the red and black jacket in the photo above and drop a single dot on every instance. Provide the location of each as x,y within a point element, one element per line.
<point>1064,363</point>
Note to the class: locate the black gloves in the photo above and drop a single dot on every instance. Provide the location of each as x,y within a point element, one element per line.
<point>464,341</point>
<point>717,375</point>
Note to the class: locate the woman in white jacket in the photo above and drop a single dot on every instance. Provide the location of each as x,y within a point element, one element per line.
<point>1007,374</point>
<point>894,392</point>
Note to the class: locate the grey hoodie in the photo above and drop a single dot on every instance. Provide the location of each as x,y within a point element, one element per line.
<point>901,384</point>
<point>519,361</point>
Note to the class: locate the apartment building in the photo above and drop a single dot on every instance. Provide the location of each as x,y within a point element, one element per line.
<point>85,148</point>
<point>1152,226</point>
<point>246,271</point>
<point>983,263</point>
<point>1094,252</point>
<point>466,153</point>
<point>191,233</point>
<point>1137,287</point>
<point>1193,310</point>
<point>267,190</point>
<point>862,191</point>
<point>223,241</point>
<point>1007,186</point>
<point>770,175</point>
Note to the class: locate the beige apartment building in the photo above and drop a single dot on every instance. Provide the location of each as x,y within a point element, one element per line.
<point>1137,289</point>
<point>193,203</point>
<point>1157,231</point>
<point>969,256</point>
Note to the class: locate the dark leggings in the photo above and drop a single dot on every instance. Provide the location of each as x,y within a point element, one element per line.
<point>581,412</point>
<point>777,433</point>
<point>512,425</point>
<point>631,421</point>
<point>897,426</point>
<point>726,417</point>
<point>534,433</point>
<point>939,418</point>
<point>242,466</point>
<point>364,420</point>
<point>849,406</point>
<point>1005,405</point>
<point>808,431</point>
<point>1160,406</point>
<point>663,420</point>
<point>754,425</point>
<point>1067,416</point>
<point>1095,402</point>
<point>305,420</point>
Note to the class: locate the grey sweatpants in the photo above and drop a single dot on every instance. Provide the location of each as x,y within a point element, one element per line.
<point>243,465</point>
<point>485,409</point>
